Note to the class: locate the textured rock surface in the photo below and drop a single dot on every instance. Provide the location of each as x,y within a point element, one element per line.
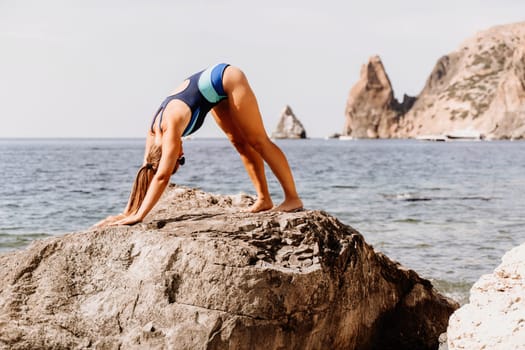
<point>479,87</point>
<point>199,274</point>
<point>289,127</point>
<point>371,109</point>
<point>494,318</point>
<point>477,90</point>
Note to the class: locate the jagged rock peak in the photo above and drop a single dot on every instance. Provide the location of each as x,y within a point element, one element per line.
<point>201,274</point>
<point>371,109</point>
<point>289,126</point>
<point>375,76</point>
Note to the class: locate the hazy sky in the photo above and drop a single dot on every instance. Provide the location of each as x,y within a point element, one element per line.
<point>101,68</point>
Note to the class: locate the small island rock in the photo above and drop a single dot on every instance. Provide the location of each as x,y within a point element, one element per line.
<point>289,126</point>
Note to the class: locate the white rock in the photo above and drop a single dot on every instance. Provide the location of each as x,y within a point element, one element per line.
<point>495,316</point>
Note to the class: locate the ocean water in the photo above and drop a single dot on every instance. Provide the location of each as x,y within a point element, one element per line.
<point>447,210</point>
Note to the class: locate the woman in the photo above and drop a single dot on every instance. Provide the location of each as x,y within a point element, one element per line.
<point>225,91</point>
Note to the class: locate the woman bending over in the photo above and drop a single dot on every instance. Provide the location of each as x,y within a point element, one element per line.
<point>225,91</point>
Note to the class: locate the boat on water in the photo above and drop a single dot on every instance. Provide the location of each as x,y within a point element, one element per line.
<point>457,135</point>
<point>345,138</point>
<point>438,138</point>
<point>466,134</point>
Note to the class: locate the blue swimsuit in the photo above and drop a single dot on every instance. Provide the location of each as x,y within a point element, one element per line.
<point>203,92</point>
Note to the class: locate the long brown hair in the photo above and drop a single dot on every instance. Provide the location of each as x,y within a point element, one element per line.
<point>143,179</point>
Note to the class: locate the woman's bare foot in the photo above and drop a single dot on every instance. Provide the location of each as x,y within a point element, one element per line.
<point>289,205</point>
<point>260,205</point>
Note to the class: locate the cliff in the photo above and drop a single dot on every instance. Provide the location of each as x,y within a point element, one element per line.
<point>371,109</point>
<point>289,127</point>
<point>200,274</point>
<point>494,318</point>
<point>478,89</point>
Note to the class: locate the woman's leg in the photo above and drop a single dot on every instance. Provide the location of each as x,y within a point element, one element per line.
<point>245,115</point>
<point>253,162</point>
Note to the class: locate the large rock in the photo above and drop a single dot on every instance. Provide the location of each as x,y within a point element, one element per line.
<point>478,88</point>
<point>371,109</point>
<point>201,274</point>
<point>475,91</point>
<point>494,318</point>
<point>289,127</point>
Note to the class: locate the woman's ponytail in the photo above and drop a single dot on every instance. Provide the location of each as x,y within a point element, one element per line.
<point>143,179</point>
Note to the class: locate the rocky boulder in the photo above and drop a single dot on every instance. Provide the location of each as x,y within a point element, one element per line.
<point>371,109</point>
<point>494,318</point>
<point>289,127</point>
<point>201,274</point>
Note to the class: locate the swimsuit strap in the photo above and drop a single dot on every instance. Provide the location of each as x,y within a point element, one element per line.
<point>154,118</point>
<point>161,110</point>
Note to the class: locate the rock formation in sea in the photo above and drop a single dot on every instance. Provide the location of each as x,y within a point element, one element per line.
<point>289,127</point>
<point>478,89</point>
<point>494,318</point>
<point>201,274</point>
<point>372,111</point>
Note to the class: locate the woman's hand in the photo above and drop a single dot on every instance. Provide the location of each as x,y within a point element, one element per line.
<point>129,220</point>
<point>109,220</point>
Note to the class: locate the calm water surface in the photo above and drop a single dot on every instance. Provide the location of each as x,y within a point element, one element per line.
<point>447,210</point>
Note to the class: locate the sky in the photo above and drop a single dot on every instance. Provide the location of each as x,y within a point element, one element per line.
<point>101,68</point>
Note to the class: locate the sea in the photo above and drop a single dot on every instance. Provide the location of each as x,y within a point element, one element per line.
<point>448,210</point>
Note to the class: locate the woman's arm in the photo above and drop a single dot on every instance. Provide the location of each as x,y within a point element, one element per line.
<point>171,149</point>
